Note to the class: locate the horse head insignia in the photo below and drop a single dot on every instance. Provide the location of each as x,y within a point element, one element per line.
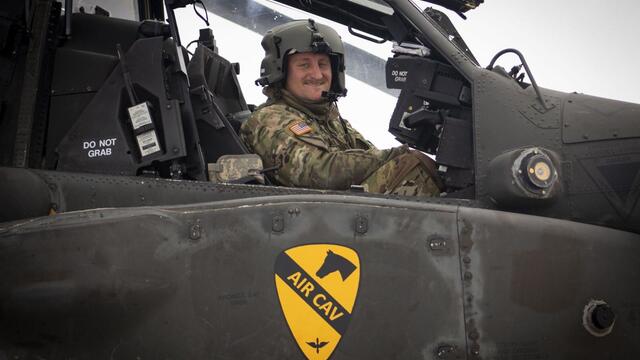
<point>334,262</point>
<point>317,308</point>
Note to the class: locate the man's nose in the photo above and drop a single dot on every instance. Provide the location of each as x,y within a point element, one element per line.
<point>315,71</point>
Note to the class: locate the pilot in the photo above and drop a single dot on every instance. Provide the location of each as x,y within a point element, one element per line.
<point>300,132</point>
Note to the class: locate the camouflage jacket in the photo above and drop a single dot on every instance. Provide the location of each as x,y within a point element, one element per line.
<point>311,145</point>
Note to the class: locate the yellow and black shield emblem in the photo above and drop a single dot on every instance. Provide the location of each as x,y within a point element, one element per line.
<point>317,286</point>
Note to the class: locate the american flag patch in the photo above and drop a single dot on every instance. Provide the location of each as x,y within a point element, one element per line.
<point>300,128</point>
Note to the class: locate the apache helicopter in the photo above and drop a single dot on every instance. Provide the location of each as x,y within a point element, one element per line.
<point>116,241</point>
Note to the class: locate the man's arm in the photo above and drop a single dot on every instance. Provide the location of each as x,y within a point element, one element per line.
<point>305,161</point>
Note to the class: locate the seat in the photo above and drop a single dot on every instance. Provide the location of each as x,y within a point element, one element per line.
<point>218,103</point>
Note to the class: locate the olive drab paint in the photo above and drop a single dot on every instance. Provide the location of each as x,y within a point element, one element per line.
<point>317,286</point>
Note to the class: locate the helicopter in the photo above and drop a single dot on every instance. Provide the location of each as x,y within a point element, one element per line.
<point>120,239</point>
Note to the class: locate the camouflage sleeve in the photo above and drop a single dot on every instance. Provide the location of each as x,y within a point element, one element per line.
<point>306,160</point>
<point>359,140</point>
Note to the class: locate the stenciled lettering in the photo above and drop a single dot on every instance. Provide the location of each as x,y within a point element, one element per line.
<point>99,148</point>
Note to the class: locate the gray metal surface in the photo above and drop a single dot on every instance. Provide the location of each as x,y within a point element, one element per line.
<point>527,280</point>
<point>37,193</point>
<point>198,281</point>
<point>590,118</point>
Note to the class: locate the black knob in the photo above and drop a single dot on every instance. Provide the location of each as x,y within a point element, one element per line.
<point>603,316</point>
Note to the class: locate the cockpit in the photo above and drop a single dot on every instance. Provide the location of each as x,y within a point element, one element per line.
<point>159,90</point>
<point>165,99</point>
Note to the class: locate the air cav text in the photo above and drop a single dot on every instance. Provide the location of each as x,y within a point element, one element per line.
<point>319,299</point>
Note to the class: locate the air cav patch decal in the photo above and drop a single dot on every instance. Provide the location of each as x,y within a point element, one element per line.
<point>317,287</point>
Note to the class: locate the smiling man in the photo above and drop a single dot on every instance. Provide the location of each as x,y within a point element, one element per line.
<point>299,129</point>
<point>308,75</point>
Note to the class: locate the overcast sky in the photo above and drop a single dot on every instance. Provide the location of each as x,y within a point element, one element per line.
<point>589,46</point>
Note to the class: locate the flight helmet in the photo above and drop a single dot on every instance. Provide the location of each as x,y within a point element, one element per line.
<point>302,36</point>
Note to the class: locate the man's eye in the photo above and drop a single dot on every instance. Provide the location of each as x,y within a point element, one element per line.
<point>303,65</point>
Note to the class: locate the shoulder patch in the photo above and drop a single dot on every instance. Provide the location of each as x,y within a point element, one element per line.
<point>300,128</point>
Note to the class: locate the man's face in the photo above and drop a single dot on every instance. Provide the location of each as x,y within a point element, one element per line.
<point>308,75</point>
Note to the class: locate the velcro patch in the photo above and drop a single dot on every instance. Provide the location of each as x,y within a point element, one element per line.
<point>300,128</point>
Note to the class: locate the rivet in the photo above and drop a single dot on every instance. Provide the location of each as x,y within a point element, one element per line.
<point>277,223</point>
<point>195,232</point>
<point>468,275</point>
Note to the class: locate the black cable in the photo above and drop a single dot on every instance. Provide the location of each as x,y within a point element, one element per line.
<point>526,68</point>
<point>206,13</point>
<point>191,43</point>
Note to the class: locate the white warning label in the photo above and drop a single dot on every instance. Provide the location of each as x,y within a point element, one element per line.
<point>99,147</point>
<point>399,76</point>
<point>148,143</point>
<point>139,115</point>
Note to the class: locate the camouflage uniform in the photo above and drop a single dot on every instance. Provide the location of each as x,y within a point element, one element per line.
<point>314,148</point>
